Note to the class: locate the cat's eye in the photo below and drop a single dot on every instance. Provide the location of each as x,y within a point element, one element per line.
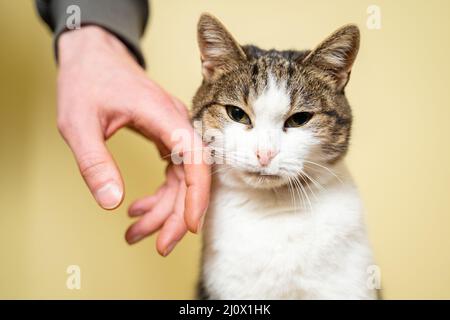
<point>298,119</point>
<point>237,114</point>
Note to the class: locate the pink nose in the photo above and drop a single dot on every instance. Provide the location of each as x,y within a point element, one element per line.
<point>265,156</point>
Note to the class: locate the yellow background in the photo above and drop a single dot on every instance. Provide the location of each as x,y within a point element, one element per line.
<point>399,154</point>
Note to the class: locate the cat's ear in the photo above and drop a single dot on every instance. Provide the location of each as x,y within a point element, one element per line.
<point>336,55</point>
<point>219,51</point>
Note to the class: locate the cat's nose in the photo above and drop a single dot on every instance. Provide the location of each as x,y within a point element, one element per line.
<point>265,156</point>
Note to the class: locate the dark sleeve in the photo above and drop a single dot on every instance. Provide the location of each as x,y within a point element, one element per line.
<point>126,19</point>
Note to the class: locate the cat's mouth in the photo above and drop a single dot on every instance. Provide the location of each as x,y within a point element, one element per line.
<point>264,180</point>
<point>260,174</point>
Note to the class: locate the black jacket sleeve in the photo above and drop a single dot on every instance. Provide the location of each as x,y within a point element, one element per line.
<point>126,19</point>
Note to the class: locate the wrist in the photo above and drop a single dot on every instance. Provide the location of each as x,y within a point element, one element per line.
<point>71,44</point>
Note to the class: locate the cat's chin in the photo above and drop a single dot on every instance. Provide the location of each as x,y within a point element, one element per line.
<point>262,181</point>
<point>239,178</point>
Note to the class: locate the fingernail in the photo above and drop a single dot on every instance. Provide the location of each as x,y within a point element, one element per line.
<point>109,196</point>
<point>170,248</point>
<point>135,238</point>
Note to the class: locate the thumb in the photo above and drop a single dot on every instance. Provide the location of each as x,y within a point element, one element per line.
<point>95,162</point>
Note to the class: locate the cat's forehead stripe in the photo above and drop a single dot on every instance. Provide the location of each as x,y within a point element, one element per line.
<point>274,100</point>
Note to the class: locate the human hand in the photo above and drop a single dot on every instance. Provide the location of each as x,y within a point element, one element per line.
<point>101,89</point>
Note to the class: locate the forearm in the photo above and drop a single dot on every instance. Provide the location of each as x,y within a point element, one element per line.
<point>125,19</point>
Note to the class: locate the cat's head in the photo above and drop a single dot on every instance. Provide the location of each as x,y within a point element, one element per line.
<point>271,115</point>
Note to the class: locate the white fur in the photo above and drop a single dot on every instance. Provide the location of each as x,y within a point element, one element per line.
<point>264,240</point>
<point>273,103</point>
<point>239,145</point>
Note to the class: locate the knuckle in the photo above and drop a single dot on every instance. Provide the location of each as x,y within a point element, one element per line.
<point>62,124</point>
<point>65,124</point>
<point>92,164</point>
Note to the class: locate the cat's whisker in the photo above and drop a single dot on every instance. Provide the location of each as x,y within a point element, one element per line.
<point>302,176</point>
<point>230,156</point>
<point>295,161</point>
<point>291,192</point>
<point>177,153</point>
<point>302,188</point>
<point>326,168</point>
<point>221,170</point>
<point>299,193</point>
<point>229,159</point>
<point>314,181</point>
<point>217,151</point>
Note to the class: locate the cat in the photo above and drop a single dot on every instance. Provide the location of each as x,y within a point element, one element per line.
<point>285,219</point>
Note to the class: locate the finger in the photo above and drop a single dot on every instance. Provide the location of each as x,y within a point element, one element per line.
<point>175,227</point>
<point>198,183</point>
<point>164,152</point>
<point>176,133</point>
<point>141,206</point>
<point>197,177</point>
<point>180,107</point>
<point>153,220</point>
<point>196,171</point>
<point>96,165</point>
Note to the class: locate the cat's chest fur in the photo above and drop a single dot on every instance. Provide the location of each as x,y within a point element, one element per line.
<point>261,244</point>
